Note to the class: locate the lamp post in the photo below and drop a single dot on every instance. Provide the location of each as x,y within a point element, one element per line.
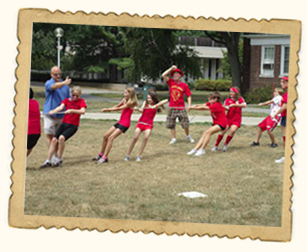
<point>59,32</point>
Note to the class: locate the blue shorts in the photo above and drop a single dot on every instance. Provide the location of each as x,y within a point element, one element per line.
<point>283,121</point>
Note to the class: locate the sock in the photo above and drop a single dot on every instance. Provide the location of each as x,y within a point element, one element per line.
<point>104,157</point>
<point>100,154</point>
<point>284,139</point>
<point>218,140</point>
<point>228,140</point>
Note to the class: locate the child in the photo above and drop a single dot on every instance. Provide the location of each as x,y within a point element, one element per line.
<point>149,109</point>
<point>126,105</point>
<point>177,90</point>
<point>75,107</point>
<point>219,122</point>
<point>269,123</point>
<point>234,105</point>
<point>34,123</point>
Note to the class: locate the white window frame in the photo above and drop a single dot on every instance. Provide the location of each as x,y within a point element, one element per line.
<point>282,60</point>
<point>263,72</point>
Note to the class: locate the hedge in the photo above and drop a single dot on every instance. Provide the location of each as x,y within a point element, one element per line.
<point>260,94</point>
<point>212,85</point>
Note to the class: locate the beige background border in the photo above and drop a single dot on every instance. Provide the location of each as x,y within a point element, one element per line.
<point>16,215</point>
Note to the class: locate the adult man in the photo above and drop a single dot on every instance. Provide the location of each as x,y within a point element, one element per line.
<point>56,90</point>
<point>283,112</point>
<point>177,90</point>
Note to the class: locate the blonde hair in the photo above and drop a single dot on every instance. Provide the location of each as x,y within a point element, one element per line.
<point>132,100</point>
<point>76,89</point>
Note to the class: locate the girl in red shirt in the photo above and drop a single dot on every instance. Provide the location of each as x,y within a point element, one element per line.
<point>126,106</point>
<point>34,123</point>
<point>234,105</point>
<point>75,107</point>
<point>219,122</point>
<point>149,109</point>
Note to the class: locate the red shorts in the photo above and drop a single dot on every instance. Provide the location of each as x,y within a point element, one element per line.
<point>269,124</point>
<point>143,127</point>
<point>237,123</point>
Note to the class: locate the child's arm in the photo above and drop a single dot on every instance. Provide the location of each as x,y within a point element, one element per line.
<point>242,105</point>
<point>159,104</point>
<point>199,107</point>
<point>80,111</point>
<point>114,108</point>
<point>140,109</point>
<point>167,72</point>
<point>58,109</point>
<point>265,103</point>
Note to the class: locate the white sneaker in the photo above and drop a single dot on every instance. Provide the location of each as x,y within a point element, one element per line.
<point>214,149</point>
<point>281,160</point>
<point>190,139</point>
<point>224,148</point>
<point>191,152</point>
<point>173,141</point>
<point>54,159</point>
<point>127,158</point>
<point>138,158</point>
<point>200,152</point>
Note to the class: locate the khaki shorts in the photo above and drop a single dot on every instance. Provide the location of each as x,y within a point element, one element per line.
<point>181,115</point>
<point>51,124</point>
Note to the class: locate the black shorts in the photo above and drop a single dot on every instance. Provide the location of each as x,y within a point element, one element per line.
<point>32,140</point>
<point>283,121</point>
<point>222,128</point>
<point>121,127</point>
<point>67,130</point>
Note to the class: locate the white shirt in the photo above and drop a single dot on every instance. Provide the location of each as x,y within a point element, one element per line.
<point>275,106</point>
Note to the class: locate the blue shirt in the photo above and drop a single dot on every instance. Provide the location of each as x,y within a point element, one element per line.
<point>53,98</point>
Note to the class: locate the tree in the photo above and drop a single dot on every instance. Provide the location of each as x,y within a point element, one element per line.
<point>231,41</point>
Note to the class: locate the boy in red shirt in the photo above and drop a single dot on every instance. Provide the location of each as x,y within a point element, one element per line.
<point>219,122</point>
<point>75,106</point>
<point>177,90</point>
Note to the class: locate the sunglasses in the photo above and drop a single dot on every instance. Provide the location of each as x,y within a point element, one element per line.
<point>56,74</point>
<point>74,95</point>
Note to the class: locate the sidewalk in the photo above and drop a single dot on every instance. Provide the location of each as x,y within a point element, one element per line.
<point>162,118</point>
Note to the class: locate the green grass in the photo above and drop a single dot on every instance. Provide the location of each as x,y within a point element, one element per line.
<point>244,185</point>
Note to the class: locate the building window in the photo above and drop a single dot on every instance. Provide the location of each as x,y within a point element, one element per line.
<point>284,61</point>
<point>267,61</point>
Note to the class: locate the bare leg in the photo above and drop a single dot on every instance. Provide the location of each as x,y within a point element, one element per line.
<point>147,133</point>
<point>207,135</point>
<point>200,141</point>
<point>53,148</point>
<point>61,146</point>
<point>173,133</point>
<point>49,139</point>
<point>233,130</point>
<point>187,131</point>
<point>283,130</point>
<point>105,138</point>
<point>111,138</point>
<point>259,133</point>
<point>272,137</point>
<point>29,152</point>
<point>137,134</point>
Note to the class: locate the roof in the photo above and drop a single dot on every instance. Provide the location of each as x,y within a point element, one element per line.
<point>209,52</point>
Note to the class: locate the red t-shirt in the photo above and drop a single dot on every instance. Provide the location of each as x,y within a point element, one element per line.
<point>234,114</point>
<point>284,100</point>
<point>125,117</point>
<point>218,113</point>
<point>177,92</point>
<point>34,120</point>
<point>148,116</point>
<point>73,119</point>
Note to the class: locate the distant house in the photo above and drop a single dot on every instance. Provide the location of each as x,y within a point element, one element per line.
<point>265,59</point>
<point>210,52</point>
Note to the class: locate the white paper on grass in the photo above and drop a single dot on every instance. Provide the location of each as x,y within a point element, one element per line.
<point>192,195</point>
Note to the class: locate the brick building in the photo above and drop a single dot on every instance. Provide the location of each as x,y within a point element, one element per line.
<point>265,59</point>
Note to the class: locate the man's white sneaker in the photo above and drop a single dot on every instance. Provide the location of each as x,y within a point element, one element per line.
<point>190,139</point>
<point>191,152</point>
<point>138,159</point>
<point>214,148</point>
<point>200,152</point>
<point>224,148</point>
<point>127,158</point>
<point>281,160</point>
<point>173,141</point>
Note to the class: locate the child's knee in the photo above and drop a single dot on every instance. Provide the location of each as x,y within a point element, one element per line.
<point>61,138</point>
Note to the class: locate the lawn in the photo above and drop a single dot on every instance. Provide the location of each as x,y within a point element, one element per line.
<point>244,185</point>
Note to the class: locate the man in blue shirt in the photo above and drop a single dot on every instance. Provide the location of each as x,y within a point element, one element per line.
<point>56,90</point>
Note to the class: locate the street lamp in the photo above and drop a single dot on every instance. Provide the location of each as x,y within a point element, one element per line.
<point>59,32</point>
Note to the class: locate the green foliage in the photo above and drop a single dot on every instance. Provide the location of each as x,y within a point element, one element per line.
<point>258,95</point>
<point>212,85</point>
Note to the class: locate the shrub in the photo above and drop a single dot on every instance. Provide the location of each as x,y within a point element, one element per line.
<point>259,94</point>
<point>212,85</point>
